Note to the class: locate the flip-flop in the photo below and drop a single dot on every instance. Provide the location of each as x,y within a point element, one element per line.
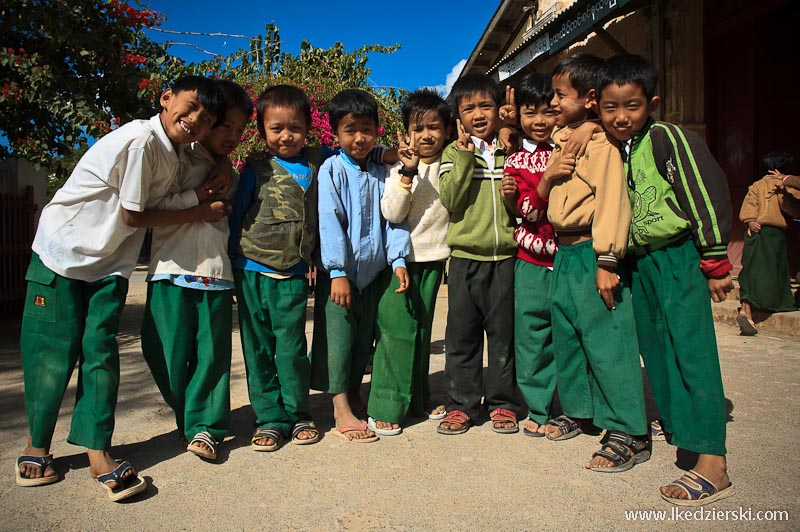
<point>205,437</point>
<point>38,461</point>
<point>437,416</point>
<point>275,435</point>
<point>531,433</point>
<point>746,327</point>
<point>382,432</point>
<point>126,487</point>
<point>657,431</point>
<point>699,489</point>
<point>341,432</point>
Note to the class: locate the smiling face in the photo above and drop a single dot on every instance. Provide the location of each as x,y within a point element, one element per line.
<point>184,118</point>
<point>357,135</point>
<point>430,134</point>
<point>568,103</point>
<point>624,109</point>
<point>285,130</point>
<point>224,138</point>
<point>478,114</point>
<point>537,122</point>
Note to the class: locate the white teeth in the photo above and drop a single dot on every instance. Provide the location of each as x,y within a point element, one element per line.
<point>186,129</point>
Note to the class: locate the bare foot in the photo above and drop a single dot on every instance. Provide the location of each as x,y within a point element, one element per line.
<point>437,411</point>
<point>385,425</point>
<point>100,463</point>
<point>31,471</point>
<point>711,466</point>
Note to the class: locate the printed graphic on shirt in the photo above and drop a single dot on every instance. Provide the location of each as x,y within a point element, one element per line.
<point>39,301</point>
<point>641,215</point>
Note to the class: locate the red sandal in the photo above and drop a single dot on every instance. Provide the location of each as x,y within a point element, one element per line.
<point>501,415</point>
<point>458,417</point>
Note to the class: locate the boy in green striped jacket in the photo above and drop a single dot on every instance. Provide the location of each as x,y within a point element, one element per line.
<point>681,217</point>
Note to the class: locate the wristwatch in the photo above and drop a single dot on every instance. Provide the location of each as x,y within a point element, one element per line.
<point>408,172</point>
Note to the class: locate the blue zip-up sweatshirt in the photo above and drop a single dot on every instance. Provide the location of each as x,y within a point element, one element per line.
<point>355,239</point>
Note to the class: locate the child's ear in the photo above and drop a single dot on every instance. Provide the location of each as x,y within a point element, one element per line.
<point>166,96</point>
<point>591,100</point>
<point>652,107</point>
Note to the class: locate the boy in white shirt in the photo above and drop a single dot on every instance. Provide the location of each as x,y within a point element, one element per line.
<point>85,250</point>
<point>186,331</point>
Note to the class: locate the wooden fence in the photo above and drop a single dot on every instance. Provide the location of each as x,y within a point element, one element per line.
<point>17,224</point>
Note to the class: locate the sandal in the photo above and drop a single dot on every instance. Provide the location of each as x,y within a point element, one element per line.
<point>37,461</point>
<point>372,423</point>
<point>533,433</point>
<point>455,416</point>
<point>434,414</point>
<point>196,448</point>
<point>568,427</point>
<point>623,450</point>
<point>657,431</point>
<point>304,426</point>
<point>501,415</point>
<point>126,487</point>
<point>699,489</point>
<point>261,433</point>
<point>746,326</point>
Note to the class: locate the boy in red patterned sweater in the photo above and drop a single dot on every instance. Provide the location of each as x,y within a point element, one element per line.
<point>533,344</point>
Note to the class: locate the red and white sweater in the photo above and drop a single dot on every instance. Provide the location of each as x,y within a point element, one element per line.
<point>534,235</point>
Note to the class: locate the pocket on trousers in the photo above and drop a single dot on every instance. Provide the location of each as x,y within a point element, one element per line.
<point>41,300</point>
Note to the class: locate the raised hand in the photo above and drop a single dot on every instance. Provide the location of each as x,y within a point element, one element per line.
<point>464,141</point>
<point>508,111</point>
<point>407,152</point>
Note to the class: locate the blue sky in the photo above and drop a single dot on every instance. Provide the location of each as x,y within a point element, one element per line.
<point>435,36</point>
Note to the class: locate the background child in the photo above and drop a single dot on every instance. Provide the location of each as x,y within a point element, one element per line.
<point>402,350</point>
<point>764,279</point>
<point>78,277</point>
<point>533,341</point>
<point>356,245</point>
<point>678,240</point>
<point>481,271</point>
<point>273,236</point>
<point>599,374</point>
<point>186,330</point>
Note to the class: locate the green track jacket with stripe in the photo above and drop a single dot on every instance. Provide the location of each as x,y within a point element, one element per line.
<point>675,186</point>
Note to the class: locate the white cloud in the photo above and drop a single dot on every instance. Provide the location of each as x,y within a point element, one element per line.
<point>451,78</point>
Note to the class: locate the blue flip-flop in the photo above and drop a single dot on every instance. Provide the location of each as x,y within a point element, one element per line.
<point>699,489</point>
<point>531,433</point>
<point>126,487</point>
<point>38,461</point>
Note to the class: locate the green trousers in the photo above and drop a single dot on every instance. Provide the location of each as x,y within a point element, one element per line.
<point>186,341</point>
<point>533,338</point>
<point>764,279</point>
<point>676,336</point>
<point>599,375</point>
<point>65,322</point>
<point>272,320</point>
<point>403,343</point>
<point>343,337</point>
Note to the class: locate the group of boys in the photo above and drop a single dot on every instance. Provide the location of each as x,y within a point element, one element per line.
<point>585,195</point>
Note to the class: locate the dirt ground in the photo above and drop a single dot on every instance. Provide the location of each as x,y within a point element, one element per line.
<point>418,481</point>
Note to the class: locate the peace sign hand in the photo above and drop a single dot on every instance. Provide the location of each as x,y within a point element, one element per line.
<point>407,152</point>
<point>464,141</point>
<point>508,112</point>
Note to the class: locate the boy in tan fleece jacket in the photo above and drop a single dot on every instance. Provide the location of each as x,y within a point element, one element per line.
<point>598,371</point>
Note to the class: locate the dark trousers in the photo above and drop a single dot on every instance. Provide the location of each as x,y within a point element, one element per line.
<point>480,299</point>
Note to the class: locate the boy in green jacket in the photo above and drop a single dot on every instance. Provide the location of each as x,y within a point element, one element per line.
<point>681,217</point>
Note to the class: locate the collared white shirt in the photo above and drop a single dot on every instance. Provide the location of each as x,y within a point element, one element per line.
<point>486,150</point>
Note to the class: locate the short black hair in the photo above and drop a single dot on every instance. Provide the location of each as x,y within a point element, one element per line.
<point>356,102</point>
<point>776,160</point>
<point>474,84</point>
<point>581,69</point>
<point>282,96</point>
<point>423,101</point>
<point>236,97</point>
<point>628,68</point>
<point>208,92</point>
<point>534,90</point>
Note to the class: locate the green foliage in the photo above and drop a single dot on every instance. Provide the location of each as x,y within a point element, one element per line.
<point>72,71</point>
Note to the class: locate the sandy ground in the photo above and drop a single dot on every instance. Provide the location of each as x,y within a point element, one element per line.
<point>418,481</point>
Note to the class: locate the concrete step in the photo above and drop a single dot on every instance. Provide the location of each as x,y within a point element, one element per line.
<point>783,323</point>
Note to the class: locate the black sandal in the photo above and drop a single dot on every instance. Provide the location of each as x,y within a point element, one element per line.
<point>304,426</point>
<point>568,427</point>
<point>623,450</point>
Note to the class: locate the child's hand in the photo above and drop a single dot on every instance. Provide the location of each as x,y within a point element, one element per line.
<point>579,138</point>
<point>407,152</point>
<point>212,211</point>
<point>508,187</point>
<point>340,292</point>
<point>220,178</point>
<point>508,112</point>
<point>464,141</point>
<point>561,165</point>
<point>607,283</point>
<point>753,227</point>
<point>405,280</point>
<point>508,139</point>
<point>719,288</point>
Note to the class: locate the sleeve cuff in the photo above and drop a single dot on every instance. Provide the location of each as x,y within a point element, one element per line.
<point>335,274</point>
<point>716,268</point>
<point>607,261</point>
<point>398,263</point>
